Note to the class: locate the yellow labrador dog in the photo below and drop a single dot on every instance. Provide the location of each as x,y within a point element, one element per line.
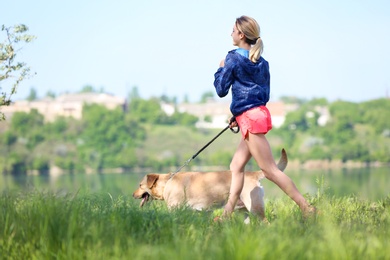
<point>205,190</point>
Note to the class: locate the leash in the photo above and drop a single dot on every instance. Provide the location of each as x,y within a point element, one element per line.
<point>233,119</point>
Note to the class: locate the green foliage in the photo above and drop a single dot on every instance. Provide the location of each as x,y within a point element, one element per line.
<point>28,126</point>
<point>169,100</point>
<point>146,111</point>
<point>50,94</point>
<point>23,123</point>
<point>376,113</point>
<point>292,100</point>
<point>206,96</point>
<point>57,128</point>
<point>208,119</point>
<point>32,95</point>
<point>9,138</point>
<point>10,68</point>
<point>149,111</point>
<point>66,163</point>
<point>182,119</point>
<point>344,111</point>
<point>87,89</point>
<point>107,135</point>
<point>134,94</point>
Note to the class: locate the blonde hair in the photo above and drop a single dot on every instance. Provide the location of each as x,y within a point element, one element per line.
<point>251,29</point>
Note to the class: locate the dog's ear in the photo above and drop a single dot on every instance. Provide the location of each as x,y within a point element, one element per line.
<point>151,179</point>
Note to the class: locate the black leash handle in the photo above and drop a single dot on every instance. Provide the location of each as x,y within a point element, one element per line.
<point>233,119</point>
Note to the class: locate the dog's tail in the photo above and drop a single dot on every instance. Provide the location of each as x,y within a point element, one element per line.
<point>282,164</point>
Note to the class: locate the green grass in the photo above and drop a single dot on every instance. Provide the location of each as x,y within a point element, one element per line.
<point>47,225</point>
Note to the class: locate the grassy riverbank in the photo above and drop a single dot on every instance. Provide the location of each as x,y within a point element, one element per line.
<point>46,225</point>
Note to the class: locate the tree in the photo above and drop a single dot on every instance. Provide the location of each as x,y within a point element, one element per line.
<point>33,95</point>
<point>10,69</point>
<point>50,94</point>
<point>134,94</point>
<point>109,138</point>
<point>88,89</point>
<point>186,99</point>
<point>292,100</point>
<point>24,124</point>
<point>207,96</point>
<point>166,99</point>
<point>376,113</point>
<point>146,111</point>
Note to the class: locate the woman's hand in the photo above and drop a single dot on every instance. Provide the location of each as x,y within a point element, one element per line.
<point>222,63</point>
<point>233,122</point>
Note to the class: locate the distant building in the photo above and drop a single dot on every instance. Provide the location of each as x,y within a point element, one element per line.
<point>67,105</point>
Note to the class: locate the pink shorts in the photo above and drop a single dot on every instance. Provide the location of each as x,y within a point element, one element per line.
<point>256,120</point>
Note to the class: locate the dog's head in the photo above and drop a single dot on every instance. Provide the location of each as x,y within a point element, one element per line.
<point>151,187</point>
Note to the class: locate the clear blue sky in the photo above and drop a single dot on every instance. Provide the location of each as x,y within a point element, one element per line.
<point>333,49</point>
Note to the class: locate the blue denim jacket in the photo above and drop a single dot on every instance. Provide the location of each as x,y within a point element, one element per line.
<point>250,82</point>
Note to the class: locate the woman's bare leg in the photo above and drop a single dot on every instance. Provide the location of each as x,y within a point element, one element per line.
<point>237,167</point>
<point>259,148</point>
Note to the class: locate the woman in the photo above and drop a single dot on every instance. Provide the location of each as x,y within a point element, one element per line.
<point>247,74</point>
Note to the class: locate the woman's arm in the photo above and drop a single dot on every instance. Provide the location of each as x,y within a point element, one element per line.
<point>223,78</point>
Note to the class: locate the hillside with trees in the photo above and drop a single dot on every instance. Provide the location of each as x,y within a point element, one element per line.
<point>143,136</point>
<point>357,131</point>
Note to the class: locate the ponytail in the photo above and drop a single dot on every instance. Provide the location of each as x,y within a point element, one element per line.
<point>256,50</point>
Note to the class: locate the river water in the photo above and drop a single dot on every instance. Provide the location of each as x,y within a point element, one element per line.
<point>363,183</point>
